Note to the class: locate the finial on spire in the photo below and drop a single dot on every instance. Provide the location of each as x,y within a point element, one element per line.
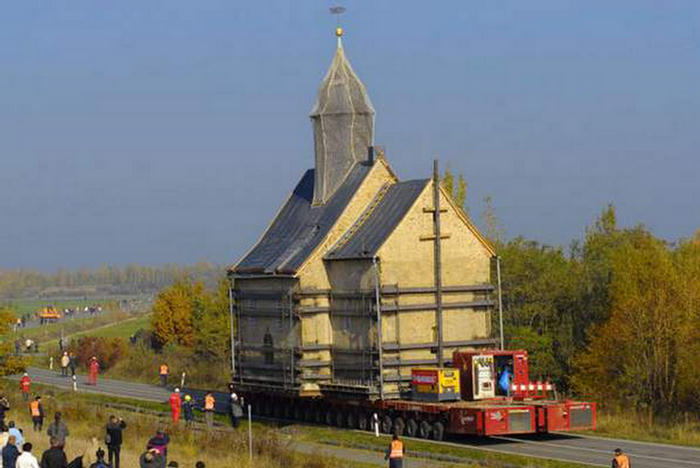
<point>337,11</point>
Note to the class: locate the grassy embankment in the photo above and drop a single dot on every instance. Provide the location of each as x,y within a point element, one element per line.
<point>637,427</point>
<point>86,415</point>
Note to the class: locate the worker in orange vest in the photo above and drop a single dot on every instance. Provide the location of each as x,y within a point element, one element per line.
<point>94,367</point>
<point>24,383</point>
<point>209,404</point>
<point>620,460</point>
<point>395,452</point>
<point>37,413</point>
<point>163,373</point>
<point>175,405</point>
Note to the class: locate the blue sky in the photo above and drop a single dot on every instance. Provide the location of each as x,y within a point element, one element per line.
<point>171,131</point>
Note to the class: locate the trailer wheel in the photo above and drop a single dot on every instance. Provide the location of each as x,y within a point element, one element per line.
<point>424,430</point>
<point>363,422</point>
<point>411,427</point>
<point>438,431</point>
<point>298,412</point>
<point>386,424</point>
<point>318,415</point>
<point>352,420</point>
<point>399,425</point>
<point>329,417</point>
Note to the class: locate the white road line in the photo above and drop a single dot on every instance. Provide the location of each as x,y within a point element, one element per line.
<point>587,449</point>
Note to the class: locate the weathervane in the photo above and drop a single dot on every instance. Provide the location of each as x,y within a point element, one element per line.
<point>337,11</point>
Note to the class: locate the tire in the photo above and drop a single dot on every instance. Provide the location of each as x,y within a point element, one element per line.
<point>339,418</point>
<point>298,413</point>
<point>386,424</point>
<point>411,429</point>
<point>424,430</point>
<point>363,422</point>
<point>329,417</point>
<point>399,426</point>
<point>438,431</point>
<point>352,420</point>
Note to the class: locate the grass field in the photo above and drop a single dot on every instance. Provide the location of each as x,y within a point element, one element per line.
<point>121,329</point>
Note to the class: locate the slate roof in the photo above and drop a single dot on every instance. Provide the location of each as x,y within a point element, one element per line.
<point>299,226</point>
<point>367,236</point>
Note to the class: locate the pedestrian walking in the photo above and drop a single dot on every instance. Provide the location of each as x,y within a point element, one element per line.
<point>36,410</point>
<point>163,372</point>
<point>159,443</point>
<point>113,439</point>
<point>235,412</point>
<point>10,452</point>
<point>94,367</point>
<point>620,460</point>
<point>209,405</point>
<point>26,459</point>
<point>100,462</point>
<point>395,452</point>
<point>65,362</point>
<point>54,457</point>
<point>72,363</point>
<point>17,433</point>
<point>18,346</point>
<point>58,430</point>
<point>24,384</point>
<point>175,405</point>
<point>188,407</point>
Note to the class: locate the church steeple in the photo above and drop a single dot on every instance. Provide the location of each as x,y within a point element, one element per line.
<point>343,124</point>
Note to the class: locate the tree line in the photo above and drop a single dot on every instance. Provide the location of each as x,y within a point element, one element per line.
<point>107,279</point>
<point>615,317</point>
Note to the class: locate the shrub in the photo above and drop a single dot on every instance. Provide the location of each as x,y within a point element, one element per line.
<point>107,350</point>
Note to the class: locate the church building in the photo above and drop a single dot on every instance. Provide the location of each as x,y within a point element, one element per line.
<point>360,276</point>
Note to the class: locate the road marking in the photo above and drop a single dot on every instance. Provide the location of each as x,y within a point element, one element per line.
<point>587,449</point>
<point>628,441</point>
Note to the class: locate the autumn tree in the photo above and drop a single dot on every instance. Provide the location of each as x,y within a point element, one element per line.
<point>640,357</point>
<point>9,363</point>
<point>174,311</point>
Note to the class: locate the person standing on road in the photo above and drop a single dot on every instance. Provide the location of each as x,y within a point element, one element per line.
<point>163,372</point>
<point>188,406</point>
<point>94,367</point>
<point>72,363</point>
<point>26,459</point>
<point>57,430</point>
<point>65,362</point>
<point>620,460</point>
<point>10,452</point>
<point>36,410</point>
<point>209,404</point>
<point>54,457</point>
<point>113,439</point>
<point>395,452</point>
<point>175,405</point>
<point>24,384</point>
<point>234,411</point>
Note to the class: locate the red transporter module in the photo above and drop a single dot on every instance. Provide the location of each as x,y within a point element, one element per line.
<point>503,399</point>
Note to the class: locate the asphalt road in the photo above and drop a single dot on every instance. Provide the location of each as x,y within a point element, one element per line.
<point>595,451</point>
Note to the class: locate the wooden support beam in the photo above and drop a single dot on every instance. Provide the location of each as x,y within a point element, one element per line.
<point>432,237</point>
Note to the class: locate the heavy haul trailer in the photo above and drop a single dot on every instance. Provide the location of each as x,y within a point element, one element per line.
<point>480,407</point>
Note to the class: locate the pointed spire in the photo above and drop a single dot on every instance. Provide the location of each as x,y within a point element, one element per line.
<point>343,124</point>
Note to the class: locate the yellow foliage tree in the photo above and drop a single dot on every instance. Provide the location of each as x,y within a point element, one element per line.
<point>174,310</point>
<point>9,363</point>
<point>640,356</point>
